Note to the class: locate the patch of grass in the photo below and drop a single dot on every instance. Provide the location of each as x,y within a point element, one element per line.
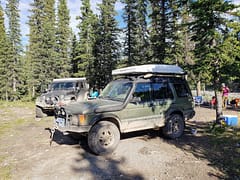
<point>5,104</point>
<point>10,125</point>
<point>225,143</point>
<point>5,169</point>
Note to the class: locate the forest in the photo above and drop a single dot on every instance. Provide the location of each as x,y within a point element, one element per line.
<point>201,36</point>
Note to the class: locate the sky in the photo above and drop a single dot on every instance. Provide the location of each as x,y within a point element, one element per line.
<point>73,6</point>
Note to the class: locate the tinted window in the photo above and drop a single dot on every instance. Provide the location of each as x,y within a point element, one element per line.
<point>153,91</point>
<point>143,91</point>
<point>181,90</point>
<point>161,91</point>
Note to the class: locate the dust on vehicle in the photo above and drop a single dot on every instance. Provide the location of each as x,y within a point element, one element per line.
<point>141,97</point>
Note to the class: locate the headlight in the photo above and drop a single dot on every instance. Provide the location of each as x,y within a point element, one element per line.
<point>79,119</point>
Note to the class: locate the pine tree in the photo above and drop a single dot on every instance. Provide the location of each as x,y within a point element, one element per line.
<point>42,47</point>
<point>63,39</point>
<point>163,30</point>
<point>12,12</point>
<point>210,36</point>
<point>107,46</point>
<point>36,49</point>
<point>73,55</point>
<point>4,83</point>
<point>49,59</point>
<point>142,34</point>
<point>84,50</point>
<point>130,18</point>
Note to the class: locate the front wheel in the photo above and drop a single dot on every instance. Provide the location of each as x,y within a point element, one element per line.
<point>103,138</point>
<point>40,113</point>
<point>174,126</point>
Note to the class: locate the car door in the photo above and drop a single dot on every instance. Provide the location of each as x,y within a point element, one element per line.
<point>148,111</point>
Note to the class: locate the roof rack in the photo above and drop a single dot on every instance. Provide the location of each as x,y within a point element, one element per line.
<point>69,79</point>
<point>150,69</point>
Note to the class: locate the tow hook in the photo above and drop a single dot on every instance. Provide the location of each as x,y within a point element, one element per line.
<point>52,134</point>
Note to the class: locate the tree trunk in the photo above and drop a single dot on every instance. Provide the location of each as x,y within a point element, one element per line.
<point>199,88</point>
<point>219,112</point>
<point>33,91</point>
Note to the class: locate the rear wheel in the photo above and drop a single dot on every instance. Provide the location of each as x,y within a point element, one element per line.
<point>174,126</point>
<point>103,138</point>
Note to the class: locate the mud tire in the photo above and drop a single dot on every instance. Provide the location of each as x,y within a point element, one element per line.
<point>103,138</point>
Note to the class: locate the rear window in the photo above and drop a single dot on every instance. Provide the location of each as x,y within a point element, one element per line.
<point>181,90</point>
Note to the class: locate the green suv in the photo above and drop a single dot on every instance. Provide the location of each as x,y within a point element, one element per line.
<point>141,97</point>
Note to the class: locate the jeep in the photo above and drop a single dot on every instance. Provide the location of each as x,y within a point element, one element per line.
<point>139,98</point>
<point>61,92</point>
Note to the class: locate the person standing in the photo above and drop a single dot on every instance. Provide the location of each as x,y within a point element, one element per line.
<point>225,91</point>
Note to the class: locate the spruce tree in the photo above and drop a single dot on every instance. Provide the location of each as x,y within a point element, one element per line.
<point>36,49</point>
<point>210,36</point>
<point>84,50</point>
<point>130,44</point>
<point>12,11</point>
<point>42,40</point>
<point>163,30</point>
<point>49,59</point>
<point>63,39</point>
<point>73,55</point>
<point>4,81</point>
<point>142,32</point>
<point>107,45</point>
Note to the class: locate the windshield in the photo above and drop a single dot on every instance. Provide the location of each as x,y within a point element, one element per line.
<point>62,86</point>
<point>116,90</point>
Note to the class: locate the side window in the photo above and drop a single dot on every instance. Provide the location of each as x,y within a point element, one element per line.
<point>161,91</point>
<point>80,85</point>
<point>181,90</point>
<point>143,91</point>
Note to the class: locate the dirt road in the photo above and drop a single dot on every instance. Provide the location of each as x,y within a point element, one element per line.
<point>26,153</point>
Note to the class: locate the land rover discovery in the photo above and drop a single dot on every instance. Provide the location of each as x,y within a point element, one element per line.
<point>141,97</point>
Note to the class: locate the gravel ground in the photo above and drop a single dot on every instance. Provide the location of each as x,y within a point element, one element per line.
<point>139,155</point>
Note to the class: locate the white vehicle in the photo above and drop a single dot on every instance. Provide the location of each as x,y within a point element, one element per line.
<point>61,92</point>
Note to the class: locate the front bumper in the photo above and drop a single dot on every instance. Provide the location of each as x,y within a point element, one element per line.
<point>65,125</point>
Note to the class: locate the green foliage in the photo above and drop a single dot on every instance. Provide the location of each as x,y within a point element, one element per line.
<point>36,49</point>
<point>3,58</point>
<point>63,40</point>
<point>84,49</point>
<point>164,31</point>
<point>136,42</point>
<point>106,49</point>
<point>210,34</point>
<point>200,36</point>
<point>15,47</point>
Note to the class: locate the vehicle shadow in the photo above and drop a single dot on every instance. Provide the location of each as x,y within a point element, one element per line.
<point>61,138</point>
<point>220,151</point>
<point>99,167</point>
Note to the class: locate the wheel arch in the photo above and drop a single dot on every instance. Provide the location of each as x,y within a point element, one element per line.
<point>108,117</point>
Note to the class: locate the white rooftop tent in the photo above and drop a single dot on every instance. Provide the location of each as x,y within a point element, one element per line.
<point>149,68</point>
<point>69,79</point>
